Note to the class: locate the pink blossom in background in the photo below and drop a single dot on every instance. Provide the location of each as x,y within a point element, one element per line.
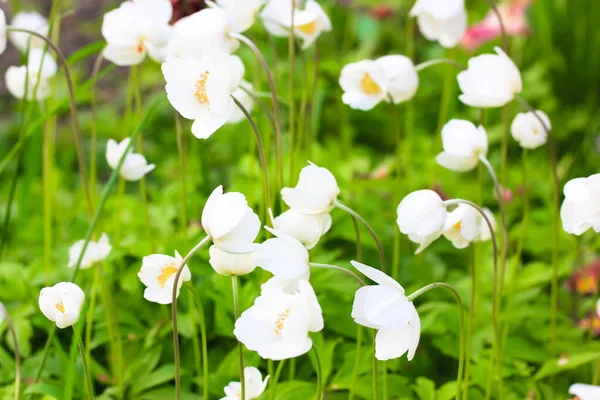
<point>515,23</point>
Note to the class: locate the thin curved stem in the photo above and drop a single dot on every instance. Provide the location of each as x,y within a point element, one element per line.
<point>426,64</point>
<point>318,369</point>
<point>174,314</point>
<point>462,325</point>
<point>275,379</point>
<point>473,306</point>
<point>375,370</point>
<point>204,338</point>
<point>183,173</point>
<point>13,333</point>
<point>94,137</point>
<point>86,369</point>
<point>501,23</point>
<point>359,256</point>
<point>292,86</point>
<point>350,211</point>
<point>341,269</point>
<point>356,368</point>
<point>240,346</point>
<point>261,104</point>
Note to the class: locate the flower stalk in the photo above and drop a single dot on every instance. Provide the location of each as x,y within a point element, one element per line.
<point>13,333</point>
<point>236,315</point>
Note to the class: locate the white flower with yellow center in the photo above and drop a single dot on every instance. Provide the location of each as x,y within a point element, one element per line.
<point>94,252</point>
<point>463,144</point>
<point>62,303</point>
<point>255,386</point>
<point>35,77</point>
<point>364,84</point>
<point>529,131</point>
<point>32,21</point>
<point>200,88</point>
<point>134,166</point>
<point>158,275</point>
<point>462,226</point>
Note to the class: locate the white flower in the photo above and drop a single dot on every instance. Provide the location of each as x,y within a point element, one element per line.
<point>32,21</point>
<point>230,223</point>
<point>206,28</point>
<point>2,32</point>
<point>39,65</point>
<point>315,192</point>
<point>243,97</point>
<point>585,392</point>
<point>278,324</point>
<point>158,275</point>
<point>62,303</point>
<point>225,263</point>
<point>364,84</point>
<point>283,256</point>
<point>241,14</point>
<point>441,20</point>
<point>95,252</point>
<point>463,143</point>
<point>462,226</point>
<point>3,313</point>
<point>309,23</point>
<point>135,29</point>
<point>134,166</point>
<point>492,80</point>
<point>401,75</point>
<point>385,307</point>
<point>255,386</point>
<point>421,216</point>
<point>529,131</point>
<point>581,209</point>
<point>306,228</point>
<point>200,88</point>
<point>484,230</point>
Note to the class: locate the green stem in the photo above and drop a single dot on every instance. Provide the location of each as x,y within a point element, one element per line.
<point>13,333</point>
<point>204,339</point>
<point>356,368</point>
<point>469,345</point>
<point>86,369</point>
<point>89,322</point>
<point>317,362</point>
<point>359,255</point>
<point>236,315</point>
<point>375,372</point>
<point>501,22</point>
<point>292,87</point>
<point>341,269</point>
<point>94,135</point>
<point>385,380</point>
<point>313,97</point>
<point>438,61</point>
<point>302,115</point>
<point>275,379</point>
<point>183,176</point>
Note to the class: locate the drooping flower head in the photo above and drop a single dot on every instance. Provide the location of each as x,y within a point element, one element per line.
<point>134,166</point>
<point>441,20</point>
<point>255,385</point>
<point>35,77</point>
<point>527,129</point>
<point>31,21</point>
<point>463,143</point>
<point>580,210</point>
<point>422,216</point>
<point>158,275</point>
<point>585,392</point>
<point>315,192</point>
<point>283,256</point>
<point>306,228</point>
<point>484,230</point>
<point>401,76</point>
<point>228,264</point>
<point>2,32</point>
<point>95,252</point>
<point>462,226</point>
<point>62,303</point>
<point>240,14</point>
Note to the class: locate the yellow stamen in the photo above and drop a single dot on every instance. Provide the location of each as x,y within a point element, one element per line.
<point>201,88</point>
<point>458,225</point>
<point>535,131</point>
<point>308,29</point>
<point>60,307</point>
<point>166,272</point>
<point>368,85</point>
<point>281,317</point>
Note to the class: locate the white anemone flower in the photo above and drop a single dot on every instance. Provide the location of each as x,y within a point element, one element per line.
<point>277,326</point>
<point>283,256</point>
<point>230,222</point>
<point>585,392</point>
<point>441,20</point>
<point>364,84</point>
<point>385,307</point>
<point>206,28</point>
<point>135,29</point>
<point>62,303</point>
<point>95,252</point>
<point>200,88</point>
<point>315,192</point>
<point>31,21</point>
<point>243,97</point>
<point>580,210</point>
<point>2,32</point>
<point>463,143</point>
<point>306,228</point>
<point>228,264</point>
<point>462,226</point>
<point>255,385</point>
<point>492,80</point>
<point>527,129</point>
<point>401,75</point>
<point>158,275</point>
<point>422,216</point>
<point>484,230</point>
<point>134,166</point>
<point>35,77</point>
<point>241,14</point>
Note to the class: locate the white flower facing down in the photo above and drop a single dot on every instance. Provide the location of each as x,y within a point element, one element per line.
<point>283,256</point>
<point>462,226</point>
<point>306,228</point>
<point>585,392</point>
<point>441,20</point>
<point>39,65</point>
<point>463,143</point>
<point>228,264</point>
<point>422,216</point>
<point>243,97</point>
<point>255,385</point>
<point>230,222</point>
<point>158,275</point>
<point>401,75</point>
<point>32,21</point>
<point>134,166</point>
<point>94,252</point>
<point>3,313</point>
<point>62,303</point>
<point>2,31</point>
<point>315,192</point>
<point>135,29</point>
<point>529,131</point>
<point>484,230</point>
<point>385,307</point>
<point>309,23</point>
<point>200,88</point>
<point>277,326</point>
<point>492,80</point>
<point>240,14</point>
<point>580,210</point>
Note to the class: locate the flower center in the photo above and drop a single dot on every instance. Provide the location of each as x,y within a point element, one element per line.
<point>279,322</point>
<point>535,131</point>
<point>308,29</point>
<point>140,46</point>
<point>201,88</point>
<point>458,225</point>
<point>368,85</point>
<point>60,307</point>
<point>166,272</point>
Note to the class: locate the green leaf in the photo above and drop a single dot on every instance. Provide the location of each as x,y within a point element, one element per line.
<point>556,366</point>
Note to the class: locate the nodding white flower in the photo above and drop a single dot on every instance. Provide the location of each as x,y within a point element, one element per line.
<point>585,392</point>
<point>94,252</point>
<point>484,230</point>
<point>62,303</point>
<point>32,21</point>
<point>306,228</point>
<point>225,263</point>
<point>309,23</point>
<point>135,29</point>
<point>385,307</point>
<point>492,80</point>
<point>422,216</point>
<point>158,275</point>
<point>401,75</point>
<point>580,210</point>
<point>283,256</point>
<point>134,166</point>
<point>463,143</point>
<point>462,226</point>
<point>243,97</point>
<point>278,324</point>
<point>241,14</point>
<point>441,20</point>
<point>3,312</point>
<point>40,65</point>
<point>230,222</point>
<point>315,192</point>
<point>364,84</point>
<point>200,88</point>
<point>2,32</point>
<point>527,129</point>
<point>255,385</point>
